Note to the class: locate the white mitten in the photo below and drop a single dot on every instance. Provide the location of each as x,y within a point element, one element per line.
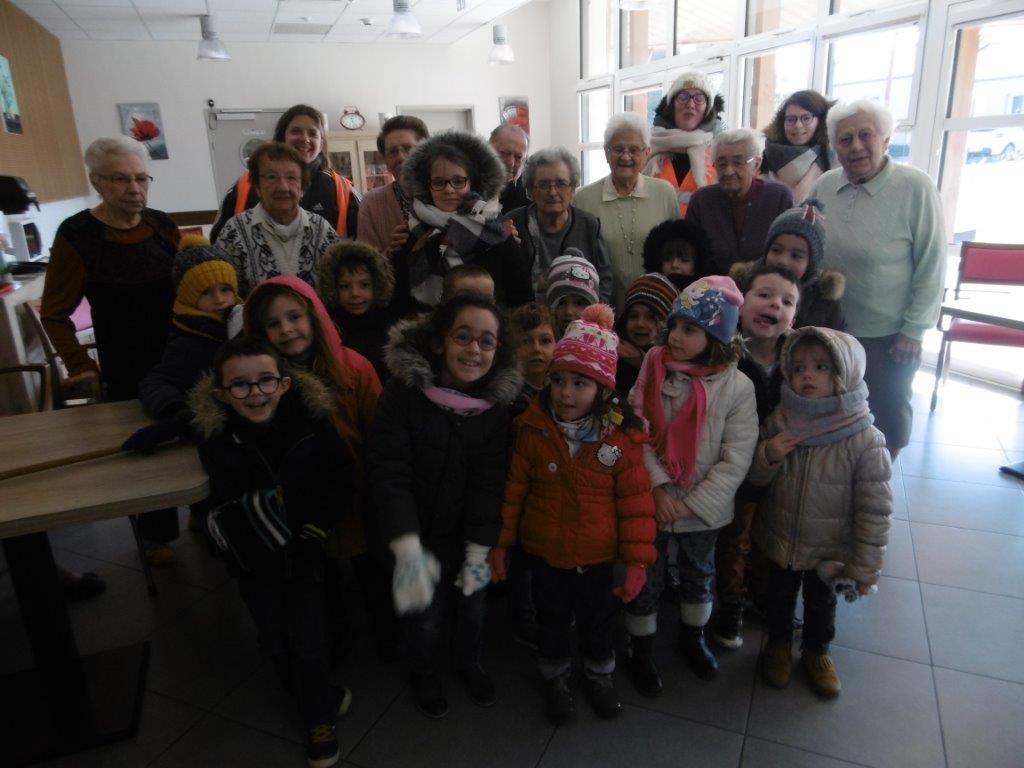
<point>834,575</point>
<point>475,573</point>
<point>416,573</point>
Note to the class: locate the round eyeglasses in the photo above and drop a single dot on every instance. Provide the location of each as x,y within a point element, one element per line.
<point>240,390</point>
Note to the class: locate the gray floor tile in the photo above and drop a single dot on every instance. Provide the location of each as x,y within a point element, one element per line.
<point>975,632</point>
<point>954,462</point>
<point>162,723</point>
<point>642,738</point>
<point>899,554</point>
<point>899,496</point>
<point>512,733</point>
<point>981,720</point>
<point>956,557</point>
<point>885,716</point>
<point>216,743</point>
<point>758,753</point>
<point>951,428</point>
<point>890,622</point>
<point>966,505</point>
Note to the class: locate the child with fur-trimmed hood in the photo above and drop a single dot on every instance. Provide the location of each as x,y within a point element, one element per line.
<point>796,241</point>
<point>356,284</point>
<point>437,462</point>
<point>454,179</point>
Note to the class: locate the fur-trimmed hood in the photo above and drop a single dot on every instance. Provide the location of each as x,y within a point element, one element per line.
<point>678,229</point>
<point>406,355</point>
<point>210,415</point>
<point>829,283</point>
<point>355,254</point>
<point>487,179</point>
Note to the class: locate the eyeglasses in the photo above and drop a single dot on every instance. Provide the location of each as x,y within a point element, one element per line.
<point>487,342</point>
<point>120,180</point>
<point>723,163</point>
<point>805,119</point>
<point>699,99</point>
<point>619,151</point>
<point>560,185</point>
<point>240,390</point>
<point>455,182</point>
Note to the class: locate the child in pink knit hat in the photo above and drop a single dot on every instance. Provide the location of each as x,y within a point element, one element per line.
<point>577,499</point>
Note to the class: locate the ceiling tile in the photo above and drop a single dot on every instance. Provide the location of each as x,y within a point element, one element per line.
<point>245,6</point>
<point>80,3</point>
<point>107,12</point>
<point>172,7</point>
<point>72,34</point>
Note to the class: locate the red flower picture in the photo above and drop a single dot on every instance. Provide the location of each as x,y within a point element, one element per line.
<point>144,130</point>
<point>143,123</point>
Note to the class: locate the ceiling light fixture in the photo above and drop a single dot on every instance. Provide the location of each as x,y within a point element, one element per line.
<point>502,52</point>
<point>210,47</point>
<point>403,24</point>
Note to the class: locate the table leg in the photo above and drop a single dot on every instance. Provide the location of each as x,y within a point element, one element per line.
<point>67,702</point>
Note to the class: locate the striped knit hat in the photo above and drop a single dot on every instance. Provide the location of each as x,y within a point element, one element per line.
<point>653,289</point>
<point>197,266</point>
<point>571,273</point>
<point>589,347</point>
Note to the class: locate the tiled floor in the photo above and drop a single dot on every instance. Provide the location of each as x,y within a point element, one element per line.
<point>932,666</point>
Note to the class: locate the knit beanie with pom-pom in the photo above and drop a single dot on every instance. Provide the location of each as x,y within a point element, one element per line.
<point>197,266</point>
<point>589,346</point>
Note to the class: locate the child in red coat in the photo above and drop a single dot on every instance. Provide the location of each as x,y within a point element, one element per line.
<point>576,505</point>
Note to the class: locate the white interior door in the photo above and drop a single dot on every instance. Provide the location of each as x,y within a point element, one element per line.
<point>233,135</point>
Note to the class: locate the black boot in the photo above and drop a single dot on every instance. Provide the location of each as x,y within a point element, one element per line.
<point>558,699</point>
<point>728,631</point>
<point>695,650</point>
<point>640,663</point>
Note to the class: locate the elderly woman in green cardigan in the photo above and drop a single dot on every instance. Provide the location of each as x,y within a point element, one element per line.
<point>628,203</point>
<point>884,231</point>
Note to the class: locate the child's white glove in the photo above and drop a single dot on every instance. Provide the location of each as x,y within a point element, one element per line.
<point>475,573</point>
<point>416,573</point>
<point>833,574</point>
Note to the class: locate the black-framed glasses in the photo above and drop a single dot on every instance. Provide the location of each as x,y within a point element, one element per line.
<point>120,180</point>
<point>240,390</point>
<point>805,119</point>
<point>560,185</point>
<point>487,342</point>
<point>698,99</point>
<point>455,182</point>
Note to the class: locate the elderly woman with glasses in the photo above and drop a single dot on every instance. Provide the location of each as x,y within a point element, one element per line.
<point>117,255</point>
<point>738,210</point>
<point>796,152</point>
<point>454,179</point>
<point>884,230</point>
<point>627,203</point>
<point>551,223</point>
<point>685,123</point>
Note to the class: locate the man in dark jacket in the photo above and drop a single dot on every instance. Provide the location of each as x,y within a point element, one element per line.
<point>511,143</point>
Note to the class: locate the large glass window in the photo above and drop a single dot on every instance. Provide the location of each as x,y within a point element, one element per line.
<point>646,35</point>
<point>643,102</point>
<point>858,6</point>
<point>990,70</point>
<point>769,77</point>
<point>597,38</point>
<point>700,23</point>
<point>876,65</point>
<point>595,110</point>
<point>770,15</point>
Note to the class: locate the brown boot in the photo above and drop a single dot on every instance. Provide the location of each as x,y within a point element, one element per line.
<point>777,664</point>
<point>822,674</point>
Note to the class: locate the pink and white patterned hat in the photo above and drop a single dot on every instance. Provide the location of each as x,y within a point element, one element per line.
<point>589,346</point>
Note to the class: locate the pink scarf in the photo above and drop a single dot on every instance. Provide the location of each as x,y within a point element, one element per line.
<point>678,442</point>
<point>456,402</point>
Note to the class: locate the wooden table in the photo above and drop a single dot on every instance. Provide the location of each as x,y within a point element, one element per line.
<point>69,702</point>
<point>996,311</point>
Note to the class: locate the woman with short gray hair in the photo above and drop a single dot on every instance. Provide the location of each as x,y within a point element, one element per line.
<point>627,203</point>
<point>884,229</point>
<point>550,223</point>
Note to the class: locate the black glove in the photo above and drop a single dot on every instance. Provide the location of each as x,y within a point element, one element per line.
<point>147,439</point>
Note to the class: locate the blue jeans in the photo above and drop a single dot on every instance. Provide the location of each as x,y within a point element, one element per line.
<point>696,563</point>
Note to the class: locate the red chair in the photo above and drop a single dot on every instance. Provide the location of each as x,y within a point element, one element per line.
<point>994,264</point>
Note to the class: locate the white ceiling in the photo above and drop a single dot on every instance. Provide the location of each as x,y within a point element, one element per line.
<point>254,20</point>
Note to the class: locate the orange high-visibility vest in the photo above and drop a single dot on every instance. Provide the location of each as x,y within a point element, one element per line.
<point>342,191</point>
<point>688,185</point>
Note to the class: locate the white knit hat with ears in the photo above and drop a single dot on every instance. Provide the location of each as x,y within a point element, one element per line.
<point>693,79</point>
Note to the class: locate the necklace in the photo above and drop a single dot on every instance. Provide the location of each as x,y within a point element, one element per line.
<point>631,237</point>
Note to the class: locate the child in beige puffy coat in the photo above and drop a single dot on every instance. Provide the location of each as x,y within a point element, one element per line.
<point>829,498</point>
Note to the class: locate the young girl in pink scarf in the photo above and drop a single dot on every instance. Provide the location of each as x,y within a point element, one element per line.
<point>703,423</point>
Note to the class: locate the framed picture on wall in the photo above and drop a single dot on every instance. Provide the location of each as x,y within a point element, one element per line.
<point>143,123</point>
<point>9,99</point>
<point>515,110</point>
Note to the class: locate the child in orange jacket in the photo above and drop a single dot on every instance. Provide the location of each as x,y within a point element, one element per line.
<point>578,498</point>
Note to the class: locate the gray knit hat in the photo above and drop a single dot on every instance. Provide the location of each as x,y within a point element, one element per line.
<point>808,222</point>
<point>571,273</point>
<point>197,266</point>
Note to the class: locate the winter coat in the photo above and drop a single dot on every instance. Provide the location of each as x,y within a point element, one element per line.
<point>727,445</point>
<point>298,451</point>
<point>820,293</point>
<point>367,334</point>
<point>577,511</point>
<point>432,471</point>
<point>827,502</point>
<point>164,390</point>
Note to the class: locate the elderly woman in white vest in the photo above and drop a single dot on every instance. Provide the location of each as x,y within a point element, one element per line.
<point>884,231</point>
<point>628,203</point>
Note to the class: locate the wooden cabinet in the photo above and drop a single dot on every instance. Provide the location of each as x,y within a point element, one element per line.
<point>354,155</point>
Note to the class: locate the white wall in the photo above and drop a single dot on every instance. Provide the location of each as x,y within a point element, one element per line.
<point>372,77</point>
<point>564,52</point>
